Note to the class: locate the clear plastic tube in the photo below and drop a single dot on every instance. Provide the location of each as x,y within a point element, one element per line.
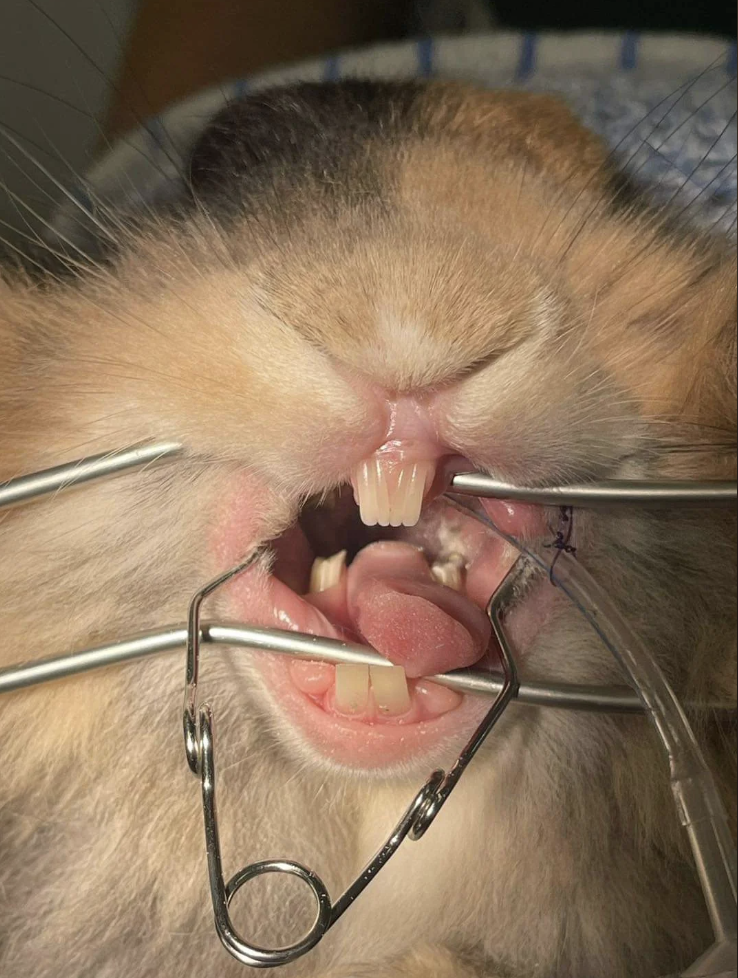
<point>699,805</point>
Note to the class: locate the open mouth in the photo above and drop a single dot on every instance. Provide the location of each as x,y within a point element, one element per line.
<point>386,562</point>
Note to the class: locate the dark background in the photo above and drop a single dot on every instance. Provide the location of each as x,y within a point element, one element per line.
<point>704,16</point>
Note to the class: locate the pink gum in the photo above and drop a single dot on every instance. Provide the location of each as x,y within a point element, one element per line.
<point>411,435</point>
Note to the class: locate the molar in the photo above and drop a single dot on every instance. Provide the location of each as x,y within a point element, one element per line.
<point>326,572</point>
<point>449,570</point>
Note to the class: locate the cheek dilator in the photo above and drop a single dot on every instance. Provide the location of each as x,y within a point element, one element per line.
<point>699,806</point>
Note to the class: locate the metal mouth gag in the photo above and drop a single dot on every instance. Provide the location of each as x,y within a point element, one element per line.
<point>699,805</point>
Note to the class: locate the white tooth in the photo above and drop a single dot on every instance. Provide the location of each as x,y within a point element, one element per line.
<point>366,494</point>
<point>364,485</point>
<point>391,693</point>
<point>399,495</point>
<point>383,494</point>
<point>416,493</point>
<point>333,569</point>
<point>352,688</point>
<point>509,555</point>
<point>449,573</point>
<point>389,494</point>
<point>326,572</point>
<point>413,504</point>
<point>316,576</point>
<point>374,497</point>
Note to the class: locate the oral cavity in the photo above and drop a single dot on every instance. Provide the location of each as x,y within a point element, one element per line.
<point>415,615</point>
<point>399,609</point>
<point>390,492</point>
<point>416,595</point>
<point>390,599</point>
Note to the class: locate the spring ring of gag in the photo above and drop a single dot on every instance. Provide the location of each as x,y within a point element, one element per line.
<point>198,721</point>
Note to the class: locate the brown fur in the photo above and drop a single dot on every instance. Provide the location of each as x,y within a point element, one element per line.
<point>571,338</point>
<point>537,129</point>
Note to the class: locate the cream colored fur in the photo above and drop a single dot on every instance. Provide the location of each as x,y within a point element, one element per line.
<point>597,340</point>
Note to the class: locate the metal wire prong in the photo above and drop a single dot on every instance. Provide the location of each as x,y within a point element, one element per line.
<point>606,493</point>
<point>31,488</point>
<point>194,638</point>
<point>37,485</point>
<point>222,893</point>
<point>498,603</point>
<point>327,914</point>
<point>313,648</point>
